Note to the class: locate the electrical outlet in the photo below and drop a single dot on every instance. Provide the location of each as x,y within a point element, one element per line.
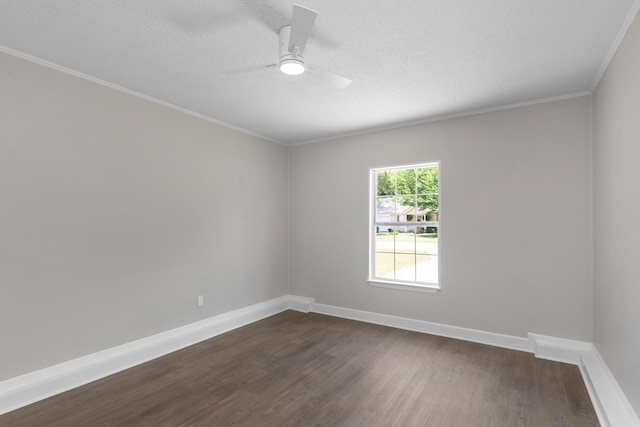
<point>200,300</point>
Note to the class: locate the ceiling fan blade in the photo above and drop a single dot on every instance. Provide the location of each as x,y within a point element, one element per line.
<point>265,14</point>
<point>273,19</point>
<point>247,70</point>
<point>333,79</point>
<point>302,22</point>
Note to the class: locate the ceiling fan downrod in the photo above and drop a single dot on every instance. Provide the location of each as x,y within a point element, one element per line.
<point>291,62</point>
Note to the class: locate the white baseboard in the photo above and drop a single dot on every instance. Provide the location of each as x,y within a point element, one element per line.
<point>29,388</point>
<point>609,401</point>
<point>559,349</point>
<point>473,335</point>
<point>302,304</point>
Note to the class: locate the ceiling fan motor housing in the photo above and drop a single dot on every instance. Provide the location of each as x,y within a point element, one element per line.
<point>287,57</point>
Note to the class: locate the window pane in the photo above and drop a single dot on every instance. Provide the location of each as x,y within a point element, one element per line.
<point>427,255</point>
<point>385,239</point>
<point>385,257</point>
<point>384,265</point>
<point>386,183</point>
<point>406,267</point>
<point>423,210</point>
<point>405,241</point>
<point>428,180</point>
<point>406,181</point>
<point>428,207</point>
<point>427,268</point>
<point>385,209</point>
<point>405,208</point>
<point>427,241</point>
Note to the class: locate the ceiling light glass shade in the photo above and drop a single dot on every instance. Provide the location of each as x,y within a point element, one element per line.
<point>292,67</point>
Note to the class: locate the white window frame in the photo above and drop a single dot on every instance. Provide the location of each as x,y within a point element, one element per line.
<point>373,193</point>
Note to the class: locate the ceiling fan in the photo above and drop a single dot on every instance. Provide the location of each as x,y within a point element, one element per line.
<point>293,39</point>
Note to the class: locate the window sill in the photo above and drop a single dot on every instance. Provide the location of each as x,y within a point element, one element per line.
<point>405,286</point>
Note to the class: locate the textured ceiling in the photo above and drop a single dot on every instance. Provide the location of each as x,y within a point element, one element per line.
<point>409,60</point>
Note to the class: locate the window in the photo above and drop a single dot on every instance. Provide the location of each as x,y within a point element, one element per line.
<point>403,238</point>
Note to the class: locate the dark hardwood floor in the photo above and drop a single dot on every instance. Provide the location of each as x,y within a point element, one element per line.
<point>296,369</point>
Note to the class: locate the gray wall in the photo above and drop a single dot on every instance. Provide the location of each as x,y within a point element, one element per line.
<point>117,212</point>
<point>515,220</point>
<point>617,215</point>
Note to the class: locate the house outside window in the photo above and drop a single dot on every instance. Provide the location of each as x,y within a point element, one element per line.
<point>404,236</point>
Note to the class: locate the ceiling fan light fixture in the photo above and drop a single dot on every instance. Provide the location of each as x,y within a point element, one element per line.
<point>292,67</point>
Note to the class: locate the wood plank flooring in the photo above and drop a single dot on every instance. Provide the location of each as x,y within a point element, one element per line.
<point>296,369</point>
